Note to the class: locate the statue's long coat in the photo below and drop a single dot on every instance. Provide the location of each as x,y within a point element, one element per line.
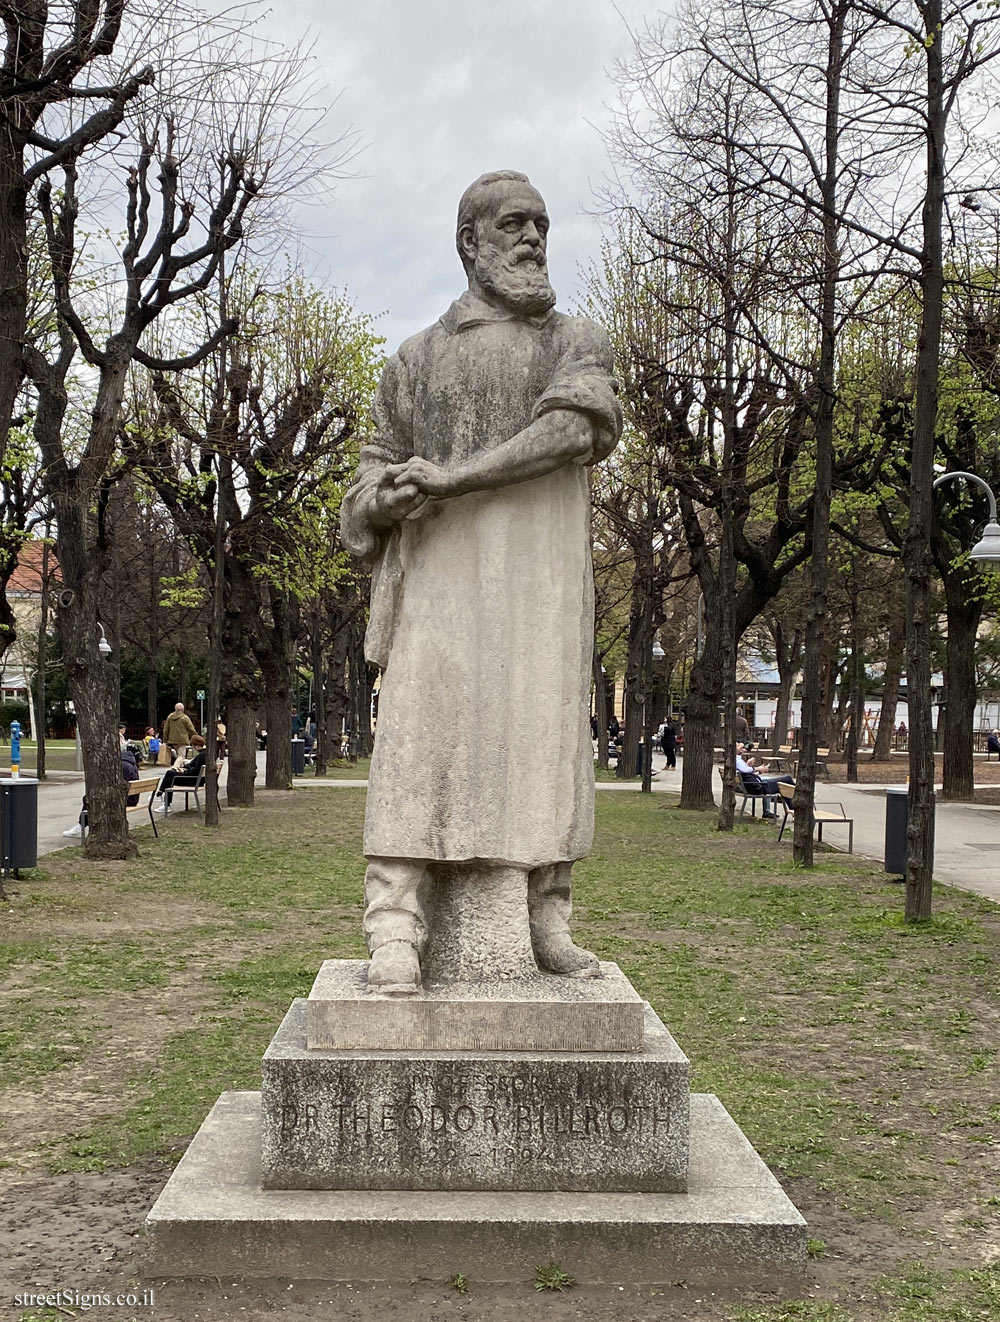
<point>482,605</point>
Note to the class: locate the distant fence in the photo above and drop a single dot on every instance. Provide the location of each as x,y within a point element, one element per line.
<point>899,743</point>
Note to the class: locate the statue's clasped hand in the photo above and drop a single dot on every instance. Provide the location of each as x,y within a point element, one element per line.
<point>429,479</point>
<point>395,501</point>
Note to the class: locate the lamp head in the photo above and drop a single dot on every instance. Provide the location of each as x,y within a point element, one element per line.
<point>103,646</point>
<point>986,552</point>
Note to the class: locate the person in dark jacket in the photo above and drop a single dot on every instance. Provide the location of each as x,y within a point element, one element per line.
<point>668,742</point>
<point>742,728</point>
<point>130,771</point>
<point>189,768</point>
<point>993,744</point>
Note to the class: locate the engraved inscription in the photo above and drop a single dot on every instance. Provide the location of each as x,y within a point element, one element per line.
<point>520,1120</point>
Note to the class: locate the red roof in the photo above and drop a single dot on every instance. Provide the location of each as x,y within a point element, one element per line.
<point>27,575</point>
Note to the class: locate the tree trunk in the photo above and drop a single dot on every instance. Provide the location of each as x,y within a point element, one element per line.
<point>320,748</point>
<point>788,655</point>
<point>338,701</point>
<point>277,714</point>
<point>361,682</point>
<point>700,719</point>
<point>93,687</point>
<point>216,638</point>
<point>13,266</point>
<point>701,716</point>
<point>960,684</point>
<point>634,679</point>
<point>917,558</point>
<point>812,682</point>
<point>240,723</point>
<point>276,657</point>
<point>882,752</point>
<point>855,686</point>
<point>601,711</point>
<point>727,628</point>
<point>153,635</point>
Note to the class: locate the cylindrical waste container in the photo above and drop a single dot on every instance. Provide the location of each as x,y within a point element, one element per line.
<point>896,818</point>
<point>298,757</point>
<point>18,823</point>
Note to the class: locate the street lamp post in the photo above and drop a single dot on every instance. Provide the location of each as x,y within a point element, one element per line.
<point>986,552</point>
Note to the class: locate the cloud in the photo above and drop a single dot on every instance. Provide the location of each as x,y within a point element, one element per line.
<point>441,91</point>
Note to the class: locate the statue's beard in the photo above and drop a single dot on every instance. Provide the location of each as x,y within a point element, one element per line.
<point>520,281</point>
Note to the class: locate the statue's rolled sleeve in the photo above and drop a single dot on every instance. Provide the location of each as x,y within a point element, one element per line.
<point>391,444</point>
<point>584,382</point>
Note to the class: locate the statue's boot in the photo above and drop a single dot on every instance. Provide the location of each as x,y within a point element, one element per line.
<point>395,924</point>
<point>549,909</point>
<point>394,969</point>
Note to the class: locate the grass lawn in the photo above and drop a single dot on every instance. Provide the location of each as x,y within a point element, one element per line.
<point>859,1055</point>
<point>60,755</point>
<point>341,769</point>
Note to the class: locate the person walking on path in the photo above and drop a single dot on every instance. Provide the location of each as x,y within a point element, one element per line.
<point>741,727</point>
<point>668,742</point>
<point>178,729</point>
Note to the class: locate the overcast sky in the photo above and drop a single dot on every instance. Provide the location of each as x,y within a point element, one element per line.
<point>441,91</point>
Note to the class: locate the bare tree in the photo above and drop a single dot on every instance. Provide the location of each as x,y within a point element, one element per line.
<point>196,165</point>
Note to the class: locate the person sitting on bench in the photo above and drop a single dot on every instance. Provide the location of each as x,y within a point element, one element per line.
<point>755,783</point>
<point>190,768</point>
<point>130,771</point>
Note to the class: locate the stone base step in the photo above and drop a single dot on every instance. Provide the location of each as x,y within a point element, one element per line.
<point>735,1223</point>
<point>538,1013</point>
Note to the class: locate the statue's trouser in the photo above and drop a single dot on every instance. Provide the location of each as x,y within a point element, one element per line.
<point>396,894</point>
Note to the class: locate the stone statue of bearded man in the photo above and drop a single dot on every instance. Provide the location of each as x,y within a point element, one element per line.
<point>472,503</point>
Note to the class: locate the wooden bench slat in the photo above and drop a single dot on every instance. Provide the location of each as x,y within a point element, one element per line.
<point>820,815</point>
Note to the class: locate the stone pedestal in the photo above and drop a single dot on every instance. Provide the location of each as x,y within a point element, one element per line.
<point>483,1120</point>
<point>509,1123</point>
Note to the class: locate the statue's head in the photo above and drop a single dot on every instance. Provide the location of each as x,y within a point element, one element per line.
<point>501,238</point>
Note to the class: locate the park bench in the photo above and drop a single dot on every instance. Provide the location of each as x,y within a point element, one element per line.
<point>145,785</point>
<point>823,815</point>
<point>186,785</point>
<point>750,793</point>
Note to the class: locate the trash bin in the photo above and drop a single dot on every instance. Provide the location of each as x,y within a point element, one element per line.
<point>18,823</point>
<point>897,815</point>
<point>298,757</point>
